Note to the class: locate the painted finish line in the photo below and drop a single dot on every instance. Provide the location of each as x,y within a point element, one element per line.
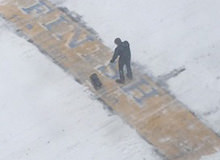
<point>157,116</point>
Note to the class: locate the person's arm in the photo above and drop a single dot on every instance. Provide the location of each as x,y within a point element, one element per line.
<point>115,56</point>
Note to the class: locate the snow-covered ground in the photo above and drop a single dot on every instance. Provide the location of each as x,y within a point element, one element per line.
<point>166,35</point>
<point>42,117</point>
<point>212,157</point>
<point>46,115</point>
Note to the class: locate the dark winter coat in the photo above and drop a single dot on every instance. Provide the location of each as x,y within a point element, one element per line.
<point>124,53</point>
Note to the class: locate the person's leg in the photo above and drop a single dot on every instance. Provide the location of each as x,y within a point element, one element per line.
<point>129,72</point>
<point>121,71</point>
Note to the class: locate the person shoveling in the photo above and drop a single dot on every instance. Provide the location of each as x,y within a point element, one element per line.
<point>123,51</point>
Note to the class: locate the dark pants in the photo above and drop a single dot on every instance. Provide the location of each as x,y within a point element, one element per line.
<point>121,71</point>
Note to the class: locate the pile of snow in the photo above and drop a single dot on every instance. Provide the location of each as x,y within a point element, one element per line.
<point>47,115</point>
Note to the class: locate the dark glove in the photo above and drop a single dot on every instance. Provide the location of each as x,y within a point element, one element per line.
<point>112,61</point>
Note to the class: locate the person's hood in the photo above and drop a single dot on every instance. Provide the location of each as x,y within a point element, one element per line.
<point>125,44</point>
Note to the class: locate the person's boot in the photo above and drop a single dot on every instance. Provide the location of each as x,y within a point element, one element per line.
<point>120,81</point>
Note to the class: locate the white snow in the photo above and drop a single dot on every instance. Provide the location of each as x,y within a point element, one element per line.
<point>46,115</point>
<point>165,35</point>
<point>211,157</point>
<point>42,117</point>
<point>2,2</point>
